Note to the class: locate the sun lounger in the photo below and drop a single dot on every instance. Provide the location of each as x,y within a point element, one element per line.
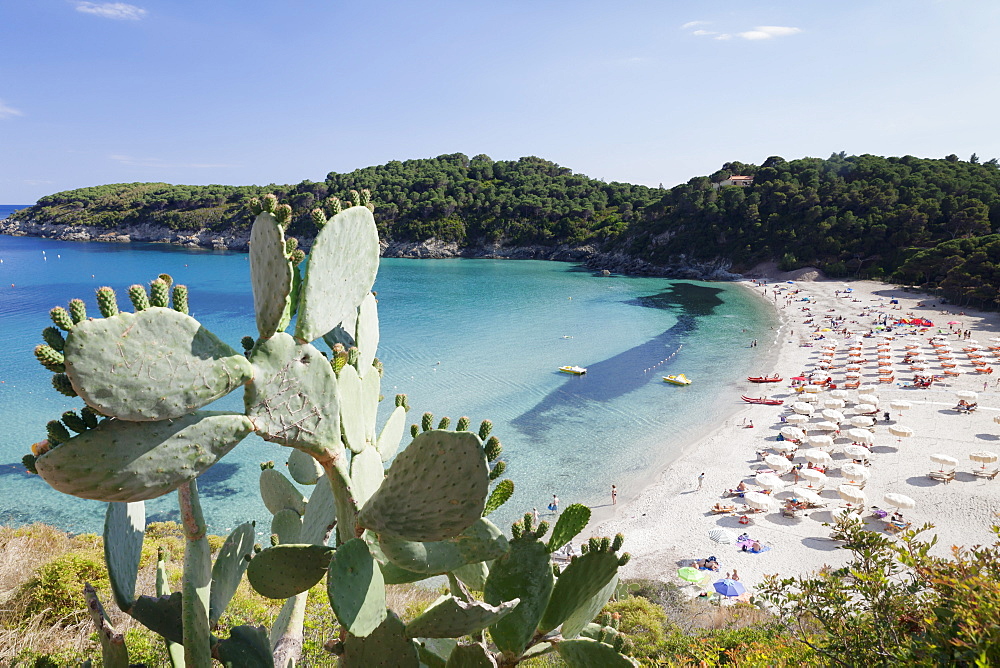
<point>887,379</point>
<point>896,527</point>
<point>943,476</point>
<point>949,372</point>
<point>985,473</point>
<point>720,509</point>
<point>852,385</point>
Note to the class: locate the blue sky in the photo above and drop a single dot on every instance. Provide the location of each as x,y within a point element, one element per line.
<point>277,91</point>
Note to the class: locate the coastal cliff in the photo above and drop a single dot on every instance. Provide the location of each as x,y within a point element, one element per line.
<point>238,240</point>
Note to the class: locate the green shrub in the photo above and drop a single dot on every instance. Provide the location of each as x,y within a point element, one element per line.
<point>644,623</point>
<point>56,590</point>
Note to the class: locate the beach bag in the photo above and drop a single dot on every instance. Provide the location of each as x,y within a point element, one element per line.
<point>552,506</point>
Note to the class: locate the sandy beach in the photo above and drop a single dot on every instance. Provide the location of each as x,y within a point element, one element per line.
<point>667,524</point>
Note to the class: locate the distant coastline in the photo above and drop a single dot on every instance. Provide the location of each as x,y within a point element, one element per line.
<point>238,240</point>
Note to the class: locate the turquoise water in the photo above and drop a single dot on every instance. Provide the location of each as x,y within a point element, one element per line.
<point>481,338</point>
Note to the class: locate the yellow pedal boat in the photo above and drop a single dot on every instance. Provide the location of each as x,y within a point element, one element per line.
<point>678,379</point>
<point>575,370</point>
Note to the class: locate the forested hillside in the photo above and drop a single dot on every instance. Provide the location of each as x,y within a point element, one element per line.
<point>917,220</point>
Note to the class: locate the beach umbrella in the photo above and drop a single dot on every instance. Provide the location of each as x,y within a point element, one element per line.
<point>730,588</point>
<point>826,426</point>
<point>803,408</point>
<point>817,456</point>
<point>854,472</point>
<point>863,421</point>
<point>813,389</point>
<point>786,446</point>
<point>759,501</point>
<point>807,495</point>
<point>945,462</point>
<point>851,494</point>
<point>793,433</point>
<point>769,481</point>
<point>900,431</point>
<point>984,457</point>
<point>839,394</point>
<point>852,374</point>
<point>861,436</point>
<point>723,536</point>
<point>811,399</point>
<point>834,403</point>
<point>820,441</point>
<point>861,409</point>
<point>866,389</point>
<point>813,477</point>
<point>900,405</point>
<point>868,399</point>
<point>832,415</point>
<point>691,574</point>
<point>899,500</point>
<point>778,463</point>
<point>857,452</point>
<point>795,418</point>
<point>968,395</point>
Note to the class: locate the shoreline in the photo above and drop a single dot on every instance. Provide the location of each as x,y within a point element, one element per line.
<point>666,523</point>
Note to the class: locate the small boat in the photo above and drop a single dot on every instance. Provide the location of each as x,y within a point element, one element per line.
<point>677,379</point>
<point>575,370</point>
<point>763,400</point>
<point>765,379</point>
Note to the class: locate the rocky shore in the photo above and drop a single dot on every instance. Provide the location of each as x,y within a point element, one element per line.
<point>238,240</point>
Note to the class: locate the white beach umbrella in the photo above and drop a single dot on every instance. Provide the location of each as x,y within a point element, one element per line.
<point>968,395</point>
<point>984,456</point>
<point>854,472</point>
<point>769,481</point>
<point>861,436</point>
<point>817,456</point>
<point>808,495</point>
<point>868,399</point>
<point>832,415</point>
<point>834,403</point>
<point>861,409</point>
<point>795,418</point>
<point>839,394</point>
<point>900,405</point>
<point>803,408</point>
<point>786,446</point>
<point>862,421</point>
<point>900,431</point>
<point>851,494</point>
<point>759,501</point>
<point>825,426</point>
<point>813,389</point>
<point>945,462</point>
<point>867,389</point>
<point>852,374</point>
<point>899,500</point>
<point>820,441</point>
<point>723,536</point>
<point>813,477</point>
<point>793,433</point>
<point>778,463</point>
<point>857,452</point>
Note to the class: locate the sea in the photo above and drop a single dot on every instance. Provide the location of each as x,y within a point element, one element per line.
<point>461,337</point>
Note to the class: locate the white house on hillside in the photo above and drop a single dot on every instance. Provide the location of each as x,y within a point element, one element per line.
<point>734,180</point>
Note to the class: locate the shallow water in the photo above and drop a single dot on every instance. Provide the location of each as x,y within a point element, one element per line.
<point>481,338</point>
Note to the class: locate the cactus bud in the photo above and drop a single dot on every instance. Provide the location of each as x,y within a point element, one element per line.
<point>255,206</point>
<point>605,544</point>
<point>604,619</point>
<point>50,358</point>
<point>297,256</point>
<point>463,424</point>
<point>414,430</point>
<point>618,643</point>
<point>339,360</point>
<point>158,293</point>
<point>274,539</point>
<point>528,519</point>
<point>370,206</point>
<point>247,342</point>
<point>366,196</point>
<point>444,423</point>
<point>181,299</point>
<point>318,218</point>
<point>624,559</point>
<point>291,243</point>
<point>334,205</point>
<point>54,338</point>
<point>29,463</point>
<point>353,355</point>
<point>594,544</point>
<point>74,422</point>
<point>90,416</point>
<point>485,427</point>
<point>283,214</point>
<point>60,381</point>
<point>543,528</point>
<point>269,203</point>
<point>137,295</point>
<point>493,448</point>
<point>40,448</point>
<point>107,301</point>
<point>355,198</point>
<point>427,421</point>
<point>617,544</point>
<point>584,548</point>
<point>257,548</point>
<point>57,432</point>
<point>377,363</point>
<point>498,470</point>
<point>516,530</point>
<point>77,310</point>
<point>266,465</point>
<point>166,278</point>
<point>61,318</point>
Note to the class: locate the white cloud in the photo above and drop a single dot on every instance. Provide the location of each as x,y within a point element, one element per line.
<point>724,36</point>
<point>704,32</point>
<point>7,111</point>
<point>767,32</point>
<point>112,10</point>
<point>693,24</point>
<point>157,163</point>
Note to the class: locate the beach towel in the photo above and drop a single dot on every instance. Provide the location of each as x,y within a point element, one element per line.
<point>761,550</point>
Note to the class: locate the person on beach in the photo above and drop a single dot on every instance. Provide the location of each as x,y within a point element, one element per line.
<point>701,480</point>
<point>614,495</point>
<point>534,514</point>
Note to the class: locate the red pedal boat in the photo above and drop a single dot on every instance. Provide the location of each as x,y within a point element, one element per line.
<point>763,400</point>
<point>765,379</point>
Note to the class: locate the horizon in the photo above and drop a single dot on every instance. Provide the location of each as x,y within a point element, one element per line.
<point>646,93</point>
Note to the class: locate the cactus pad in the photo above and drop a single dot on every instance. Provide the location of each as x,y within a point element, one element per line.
<point>480,542</point>
<point>571,522</point>
<point>153,365</point>
<point>278,493</point>
<point>341,271</point>
<point>356,589</point>
<point>135,461</point>
<point>582,616</point>
<point>525,573</point>
<point>450,617</point>
<point>435,489</point>
<point>352,409</point>
<point>286,570</point>
<point>367,473</point>
<point>246,646</point>
<point>303,468</point>
<point>293,399</point>
<point>287,526</point>
<point>321,513</point>
<point>499,496</point>
<point>473,575</point>
<point>392,434</point>
<point>367,333</point>
<point>229,568</point>
<point>587,653</point>
<point>371,384</point>
<point>579,582</point>
<point>474,655</point>
<point>385,647</point>
<point>124,530</point>
<point>270,273</point>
